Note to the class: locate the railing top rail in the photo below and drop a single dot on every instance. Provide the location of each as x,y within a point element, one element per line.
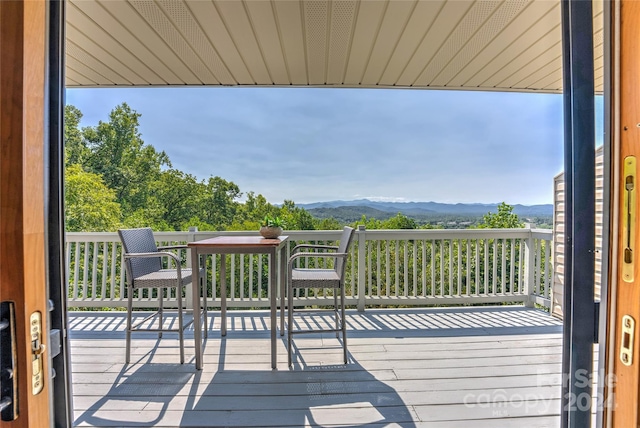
<point>113,236</point>
<point>542,234</point>
<point>378,234</point>
<point>372,234</point>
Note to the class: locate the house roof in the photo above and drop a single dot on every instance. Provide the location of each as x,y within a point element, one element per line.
<point>511,45</point>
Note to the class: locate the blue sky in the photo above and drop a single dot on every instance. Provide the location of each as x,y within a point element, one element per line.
<point>321,144</point>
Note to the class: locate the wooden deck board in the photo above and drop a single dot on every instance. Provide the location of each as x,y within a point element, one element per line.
<point>436,367</point>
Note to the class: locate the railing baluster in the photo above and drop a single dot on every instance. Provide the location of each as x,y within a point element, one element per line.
<point>396,267</point>
<point>424,268</point>
<point>112,278</point>
<point>459,267</point>
<point>476,267</point>
<point>387,249</point>
<point>494,268</point>
<point>405,288</point>
<point>512,266</point>
<point>74,285</point>
<point>369,269</point>
<point>415,268</point>
<point>232,282</point>
<point>468,259</point>
<point>250,286</point>
<point>241,279</point>
<point>433,268</point>
<point>486,266</point>
<point>520,267</point>
<point>85,271</point>
<point>379,269</point>
<point>216,281</point>
<point>105,260</point>
<point>94,271</point>
<point>451,284</point>
<point>537,280</point>
<point>441,257</point>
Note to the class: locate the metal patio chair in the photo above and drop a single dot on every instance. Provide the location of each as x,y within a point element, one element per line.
<point>143,261</point>
<point>331,278</point>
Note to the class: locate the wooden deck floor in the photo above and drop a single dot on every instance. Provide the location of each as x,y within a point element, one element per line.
<point>437,367</point>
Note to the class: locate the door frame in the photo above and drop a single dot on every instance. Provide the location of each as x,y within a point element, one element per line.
<point>61,400</point>
<point>579,333</point>
<point>23,134</point>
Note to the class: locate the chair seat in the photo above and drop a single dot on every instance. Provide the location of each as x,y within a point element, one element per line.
<point>314,278</point>
<point>164,278</point>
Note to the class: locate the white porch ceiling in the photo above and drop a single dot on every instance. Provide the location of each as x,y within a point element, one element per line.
<point>509,45</point>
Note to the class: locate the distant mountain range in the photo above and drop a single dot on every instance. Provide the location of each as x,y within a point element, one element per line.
<point>377,209</point>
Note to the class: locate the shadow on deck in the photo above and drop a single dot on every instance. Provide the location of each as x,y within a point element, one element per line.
<point>435,367</point>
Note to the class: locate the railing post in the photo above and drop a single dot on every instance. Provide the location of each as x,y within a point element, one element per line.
<point>529,267</point>
<point>188,290</point>
<point>362,270</point>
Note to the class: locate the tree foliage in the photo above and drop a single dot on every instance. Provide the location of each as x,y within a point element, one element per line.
<point>503,219</point>
<point>115,180</point>
<point>127,165</point>
<point>90,204</point>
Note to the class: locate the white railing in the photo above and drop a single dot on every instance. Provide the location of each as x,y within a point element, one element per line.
<point>386,267</point>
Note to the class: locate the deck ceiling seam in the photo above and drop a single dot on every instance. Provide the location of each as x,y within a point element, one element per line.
<point>202,34</point>
<point>512,43</point>
<point>258,44</point>
<point>154,11</point>
<point>140,42</point>
<point>88,55</point>
<point>440,47</point>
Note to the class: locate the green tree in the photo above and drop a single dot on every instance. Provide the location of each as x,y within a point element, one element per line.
<point>252,211</point>
<point>127,165</point>
<point>369,223</point>
<point>503,219</point>
<point>90,206</point>
<point>179,194</point>
<point>400,221</point>
<point>76,151</point>
<point>297,218</point>
<point>327,224</point>
<point>218,203</point>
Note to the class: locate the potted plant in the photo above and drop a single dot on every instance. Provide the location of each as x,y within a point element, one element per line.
<point>271,227</point>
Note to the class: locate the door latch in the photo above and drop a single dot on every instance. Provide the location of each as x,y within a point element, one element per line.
<point>627,339</point>
<point>629,223</point>
<point>37,353</point>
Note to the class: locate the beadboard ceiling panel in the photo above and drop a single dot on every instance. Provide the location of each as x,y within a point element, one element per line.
<point>499,45</point>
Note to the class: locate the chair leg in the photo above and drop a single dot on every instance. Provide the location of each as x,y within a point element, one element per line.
<point>180,323</point>
<point>160,310</point>
<point>128,333</point>
<point>335,311</point>
<point>344,323</point>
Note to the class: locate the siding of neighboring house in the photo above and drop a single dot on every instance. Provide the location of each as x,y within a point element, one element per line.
<point>557,294</point>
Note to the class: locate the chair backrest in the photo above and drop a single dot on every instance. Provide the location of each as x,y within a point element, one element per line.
<point>140,241</point>
<point>343,247</point>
